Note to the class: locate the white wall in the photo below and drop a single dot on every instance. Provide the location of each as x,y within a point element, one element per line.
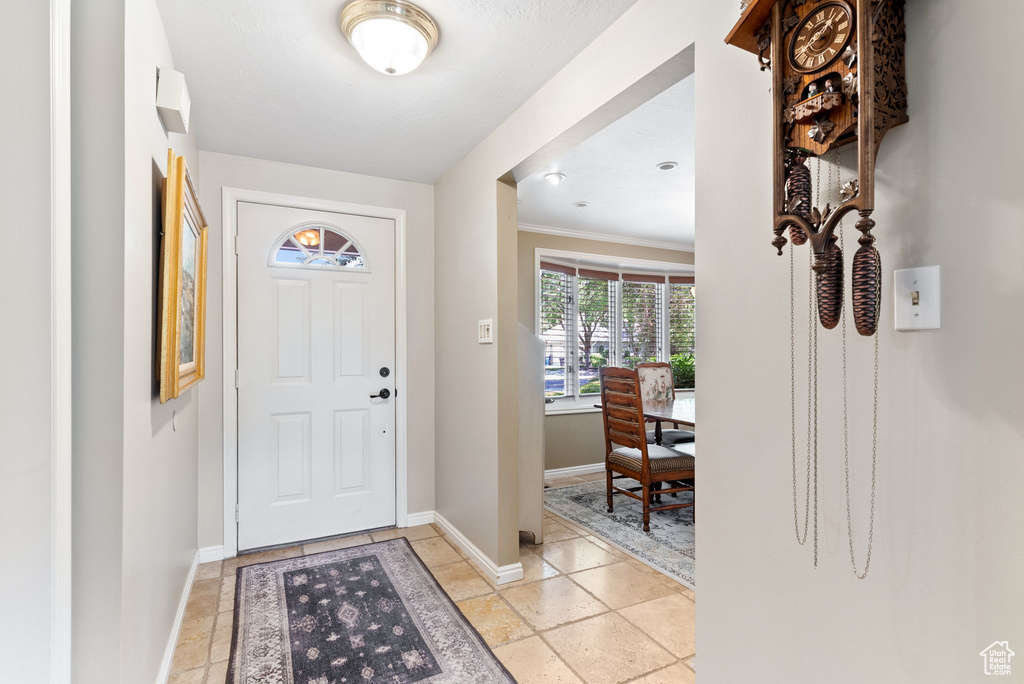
<point>135,479</point>
<point>947,553</point>
<point>417,199</point>
<point>30,414</point>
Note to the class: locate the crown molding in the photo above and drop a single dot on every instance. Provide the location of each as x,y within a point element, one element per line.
<point>604,237</point>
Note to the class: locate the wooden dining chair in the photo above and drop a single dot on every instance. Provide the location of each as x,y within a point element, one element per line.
<point>657,385</point>
<point>627,452</point>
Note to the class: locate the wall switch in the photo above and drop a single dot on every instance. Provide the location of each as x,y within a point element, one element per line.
<point>485,332</point>
<point>918,299</point>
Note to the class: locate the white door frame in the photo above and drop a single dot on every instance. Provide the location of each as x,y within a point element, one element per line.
<point>60,359</point>
<point>229,224</point>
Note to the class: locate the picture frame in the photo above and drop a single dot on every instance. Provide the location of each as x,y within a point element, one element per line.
<point>183,263</point>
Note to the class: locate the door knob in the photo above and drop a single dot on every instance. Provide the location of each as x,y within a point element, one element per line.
<point>383,394</point>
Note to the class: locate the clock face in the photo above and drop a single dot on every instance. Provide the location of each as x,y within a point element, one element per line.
<point>821,37</point>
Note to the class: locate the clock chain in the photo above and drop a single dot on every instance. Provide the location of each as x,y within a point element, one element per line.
<point>846,425</point>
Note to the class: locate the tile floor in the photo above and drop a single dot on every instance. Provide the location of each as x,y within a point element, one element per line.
<point>584,613</point>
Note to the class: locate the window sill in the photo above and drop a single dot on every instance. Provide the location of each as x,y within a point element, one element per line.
<point>572,410</point>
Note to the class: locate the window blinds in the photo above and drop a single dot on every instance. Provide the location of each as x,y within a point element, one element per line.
<point>641,321</point>
<point>595,320</point>
<point>555,323</point>
<point>682,316</point>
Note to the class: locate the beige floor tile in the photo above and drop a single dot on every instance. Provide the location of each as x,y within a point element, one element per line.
<point>335,544</point>
<point>497,623</point>
<point>536,568</point>
<point>552,602</point>
<point>594,539</point>
<point>671,621</point>
<point>607,649</point>
<point>563,482</point>
<point>435,551</point>
<point>218,673</point>
<point>227,595</point>
<point>528,548</point>
<point>190,677</point>
<point>455,546</point>
<point>573,555</point>
<point>461,580</point>
<point>594,477</point>
<point>531,662</point>
<point>193,644</point>
<point>208,570</point>
<point>410,533</point>
<point>676,674</point>
<point>556,530</point>
<point>582,531</point>
<point>203,599</point>
<point>230,565</point>
<point>620,585</point>
<point>220,646</point>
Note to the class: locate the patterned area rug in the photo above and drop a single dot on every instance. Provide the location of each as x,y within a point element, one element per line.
<point>369,614</point>
<point>669,545</point>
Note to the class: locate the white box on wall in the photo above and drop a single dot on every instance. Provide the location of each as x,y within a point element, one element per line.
<point>172,99</point>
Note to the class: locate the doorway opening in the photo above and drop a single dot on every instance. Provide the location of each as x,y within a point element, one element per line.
<point>606,279</point>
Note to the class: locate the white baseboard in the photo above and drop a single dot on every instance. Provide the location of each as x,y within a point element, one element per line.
<point>501,575</point>
<point>209,554</point>
<point>422,518</point>
<point>165,665</point>
<point>574,471</point>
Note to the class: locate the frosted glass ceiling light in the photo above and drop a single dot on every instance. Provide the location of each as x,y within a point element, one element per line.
<point>392,36</point>
<point>555,178</point>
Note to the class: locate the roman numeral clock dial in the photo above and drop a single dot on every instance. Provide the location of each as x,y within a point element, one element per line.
<point>821,37</point>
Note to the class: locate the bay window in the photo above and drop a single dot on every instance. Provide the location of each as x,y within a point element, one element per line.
<point>590,318</point>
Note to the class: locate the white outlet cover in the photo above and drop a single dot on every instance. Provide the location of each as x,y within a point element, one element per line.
<point>485,331</point>
<point>927,313</point>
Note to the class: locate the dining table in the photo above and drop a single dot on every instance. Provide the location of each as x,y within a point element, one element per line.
<point>679,411</point>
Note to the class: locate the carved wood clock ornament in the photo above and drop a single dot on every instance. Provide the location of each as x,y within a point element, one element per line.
<point>838,78</point>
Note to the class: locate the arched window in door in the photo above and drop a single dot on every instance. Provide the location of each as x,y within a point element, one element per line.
<point>318,246</point>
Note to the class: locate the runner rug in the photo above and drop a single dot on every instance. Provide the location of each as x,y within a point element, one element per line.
<point>669,546</point>
<point>368,614</point>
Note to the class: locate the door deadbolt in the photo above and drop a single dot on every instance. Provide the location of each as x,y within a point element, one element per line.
<point>383,394</point>
<point>385,371</point>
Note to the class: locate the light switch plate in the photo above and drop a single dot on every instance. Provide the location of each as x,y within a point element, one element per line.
<point>918,298</point>
<point>485,332</point>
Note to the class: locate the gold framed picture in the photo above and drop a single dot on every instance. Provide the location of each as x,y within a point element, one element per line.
<point>182,284</point>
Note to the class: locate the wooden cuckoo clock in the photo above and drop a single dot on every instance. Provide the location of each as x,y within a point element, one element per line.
<point>838,78</point>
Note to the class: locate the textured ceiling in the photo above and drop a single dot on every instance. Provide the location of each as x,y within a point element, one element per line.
<point>276,79</point>
<point>616,171</point>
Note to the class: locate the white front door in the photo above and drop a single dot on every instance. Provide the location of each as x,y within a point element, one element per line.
<point>316,338</point>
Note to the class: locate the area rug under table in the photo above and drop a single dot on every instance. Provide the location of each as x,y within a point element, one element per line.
<point>668,547</point>
<point>369,614</point>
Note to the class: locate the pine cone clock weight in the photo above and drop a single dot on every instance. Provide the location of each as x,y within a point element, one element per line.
<point>867,269</point>
<point>829,269</point>
<point>798,194</point>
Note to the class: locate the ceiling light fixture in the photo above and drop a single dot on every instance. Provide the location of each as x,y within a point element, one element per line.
<point>555,178</point>
<point>392,36</point>
<point>309,238</point>
<point>668,166</point>
<point>581,205</point>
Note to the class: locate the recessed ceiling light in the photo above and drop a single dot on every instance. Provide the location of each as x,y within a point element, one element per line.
<point>581,205</point>
<point>668,166</point>
<point>392,36</point>
<point>555,178</point>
